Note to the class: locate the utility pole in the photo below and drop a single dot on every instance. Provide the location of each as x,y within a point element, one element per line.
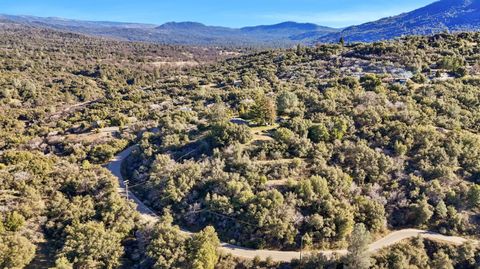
<point>301,248</point>
<point>126,187</point>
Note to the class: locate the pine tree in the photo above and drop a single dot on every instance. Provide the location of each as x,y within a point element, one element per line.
<point>202,249</point>
<point>358,256</point>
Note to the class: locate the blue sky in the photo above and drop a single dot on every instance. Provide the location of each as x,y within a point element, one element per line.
<point>232,13</point>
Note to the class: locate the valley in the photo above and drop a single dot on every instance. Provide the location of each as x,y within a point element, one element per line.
<point>291,146</point>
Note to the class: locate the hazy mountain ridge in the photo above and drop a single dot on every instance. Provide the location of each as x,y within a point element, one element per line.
<point>186,33</point>
<point>289,26</point>
<point>55,21</point>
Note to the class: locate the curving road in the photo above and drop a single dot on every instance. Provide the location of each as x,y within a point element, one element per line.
<point>115,167</point>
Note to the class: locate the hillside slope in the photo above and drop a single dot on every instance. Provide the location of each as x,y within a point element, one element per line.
<point>444,15</point>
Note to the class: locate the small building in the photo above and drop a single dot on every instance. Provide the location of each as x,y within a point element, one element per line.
<point>239,121</point>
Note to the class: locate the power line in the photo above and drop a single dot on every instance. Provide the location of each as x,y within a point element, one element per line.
<point>138,184</point>
<point>224,216</point>
<point>198,211</point>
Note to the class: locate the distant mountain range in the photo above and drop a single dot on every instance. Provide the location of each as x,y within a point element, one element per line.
<point>444,15</point>
<point>181,33</point>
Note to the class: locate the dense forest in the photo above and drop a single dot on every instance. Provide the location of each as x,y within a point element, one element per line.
<point>325,147</point>
<point>65,102</point>
<point>291,144</point>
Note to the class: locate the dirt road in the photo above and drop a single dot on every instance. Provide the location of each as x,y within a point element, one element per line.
<point>115,167</point>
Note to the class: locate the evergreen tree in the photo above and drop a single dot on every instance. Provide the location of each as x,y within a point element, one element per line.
<point>167,245</point>
<point>358,256</point>
<point>202,249</point>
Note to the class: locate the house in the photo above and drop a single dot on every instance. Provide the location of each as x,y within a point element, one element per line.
<point>237,83</point>
<point>239,121</point>
<point>186,109</point>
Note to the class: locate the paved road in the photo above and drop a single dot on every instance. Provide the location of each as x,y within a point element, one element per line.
<point>115,167</point>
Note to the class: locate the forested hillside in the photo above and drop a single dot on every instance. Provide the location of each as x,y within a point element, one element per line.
<point>440,16</point>
<point>64,99</point>
<point>311,141</point>
<point>311,148</point>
